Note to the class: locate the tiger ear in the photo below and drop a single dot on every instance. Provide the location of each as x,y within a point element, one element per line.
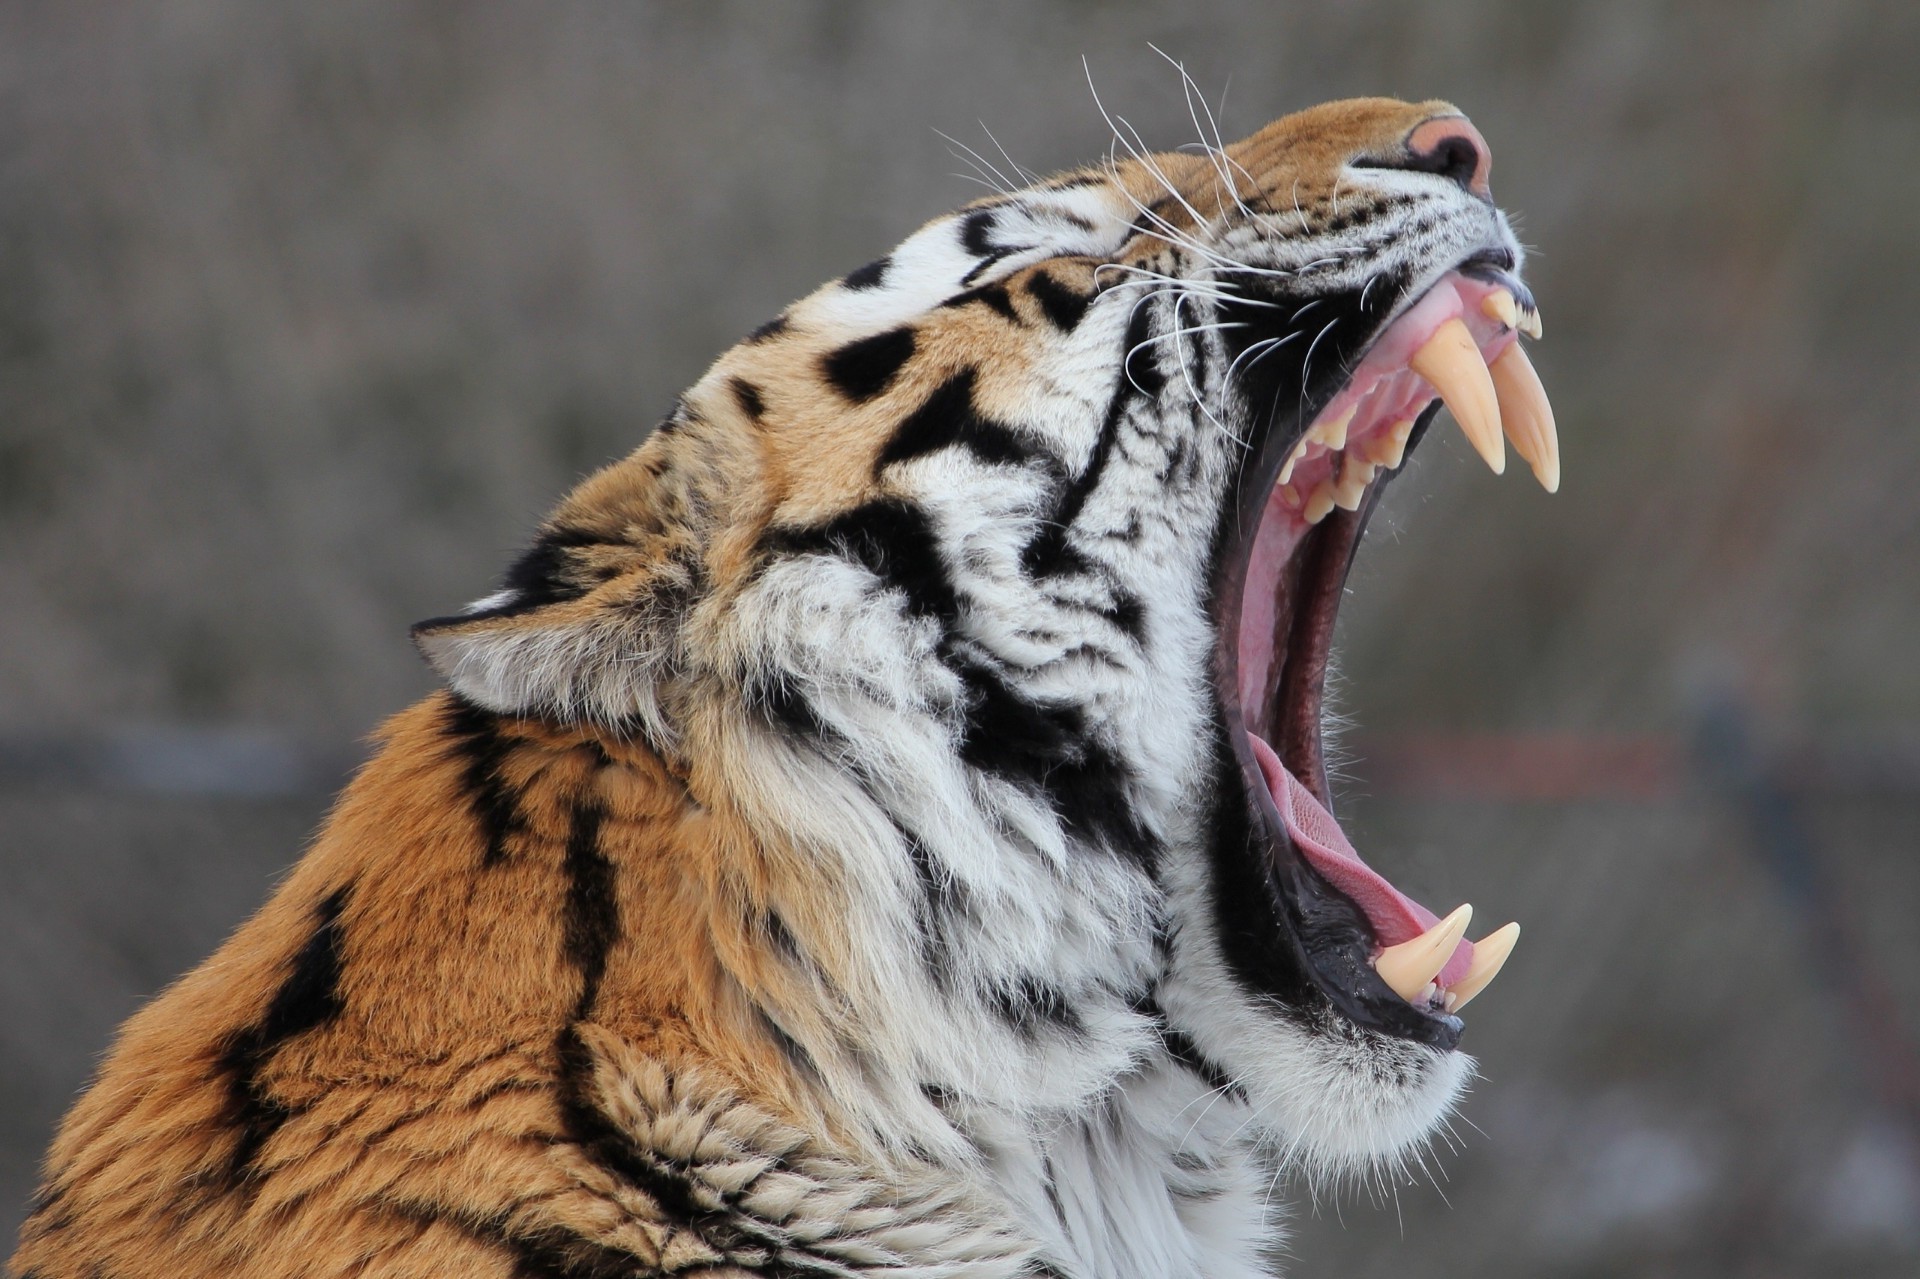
<point>576,633</point>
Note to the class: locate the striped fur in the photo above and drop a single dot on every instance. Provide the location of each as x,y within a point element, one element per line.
<point>824,858</point>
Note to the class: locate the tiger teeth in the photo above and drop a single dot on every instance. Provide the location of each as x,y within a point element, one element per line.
<point>1530,323</point>
<point>1489,957</point>
<point>1527,416</point>
<point>1389,448</point>
<point>1355,475</point>
<point>1451,362</point>
<point>1410,966</point>
<point>1293,460</point>
<point>1319,502</point>
<point>1500,306</point>
<point>1332,434</point>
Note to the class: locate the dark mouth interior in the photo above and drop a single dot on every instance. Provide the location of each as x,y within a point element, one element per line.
<point>1331,938</point>
<point>1303,642</point>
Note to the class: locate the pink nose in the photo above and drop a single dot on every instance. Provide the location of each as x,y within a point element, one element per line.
<point>1450,146</point>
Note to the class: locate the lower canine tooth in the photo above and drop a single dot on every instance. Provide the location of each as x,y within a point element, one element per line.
<point>1530,324</point>
<point>1319,502</point>
<point>1489,956</point>
<point>1451,362</point>
<point>1408,967</point>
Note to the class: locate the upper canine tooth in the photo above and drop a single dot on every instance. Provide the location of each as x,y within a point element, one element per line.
<point>1489,957</point>
<point>1527,416</point>
<point>1451,362</point>
<point>1499,305</point>
<point>1408,967</point>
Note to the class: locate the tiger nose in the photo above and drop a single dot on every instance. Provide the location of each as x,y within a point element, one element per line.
<point>1450,146</point>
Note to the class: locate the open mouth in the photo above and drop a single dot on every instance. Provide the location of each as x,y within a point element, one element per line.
<point>1385,961</point>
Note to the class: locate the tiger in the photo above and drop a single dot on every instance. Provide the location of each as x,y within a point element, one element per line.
<point>880,826</point>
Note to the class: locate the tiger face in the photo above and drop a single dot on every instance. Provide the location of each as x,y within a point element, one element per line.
<point>988,593</point>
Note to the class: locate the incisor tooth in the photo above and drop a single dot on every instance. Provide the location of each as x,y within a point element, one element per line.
<point>1527,416</point>
<point>1319,502</point>
<point>1489,957</point>
<point>1451,362</point>
<point>1499,305</point>
<point>1408,967</point>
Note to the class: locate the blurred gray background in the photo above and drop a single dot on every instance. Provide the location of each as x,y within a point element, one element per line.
<point>308,312</point>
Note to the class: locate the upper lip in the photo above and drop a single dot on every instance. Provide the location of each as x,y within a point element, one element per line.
<point>1328,934</point>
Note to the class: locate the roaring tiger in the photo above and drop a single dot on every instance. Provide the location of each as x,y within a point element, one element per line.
<point>881,826</point>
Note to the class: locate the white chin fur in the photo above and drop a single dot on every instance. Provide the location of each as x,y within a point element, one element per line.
<point>1348,1103</point>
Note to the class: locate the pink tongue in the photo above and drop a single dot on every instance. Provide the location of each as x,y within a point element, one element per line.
<point>1395,916</point>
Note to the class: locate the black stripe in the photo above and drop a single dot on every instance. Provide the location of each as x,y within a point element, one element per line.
<point>1047,747</point>
<point>1053,1190</point>
<point>1181,1048</point>
<point>863,369</point>
<point>785,705</point>
<point>608,1145</point>
<point>870,276</point>
<point>308,997</point>
<point>590,919</point>
<point>948,418</point>
<point>1049,553</point>
<point>994,295</point>
<point>1030,1005</point>
<point>792,1049</point>
<point>1061,305</point>
<point>892,540</point>
<point>942,900</point>
<point>1129,616</point>
<point>771,329</point>
<point>474,734</point>
<point>555,1253</point>
<point>747,396</point>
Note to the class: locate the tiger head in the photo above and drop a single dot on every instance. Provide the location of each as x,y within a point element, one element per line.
<point>984,600</point>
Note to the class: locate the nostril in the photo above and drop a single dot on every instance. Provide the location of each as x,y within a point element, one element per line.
<point>1451,147</point>
<point>1454,158</point>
